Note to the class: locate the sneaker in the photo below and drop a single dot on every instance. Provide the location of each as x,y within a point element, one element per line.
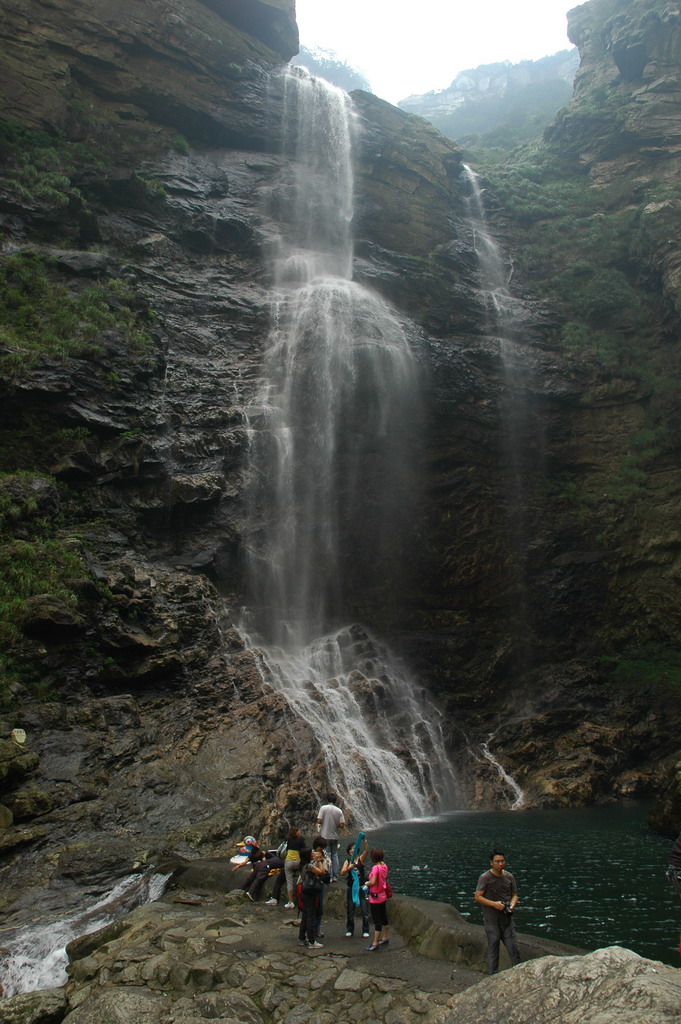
<point>365,935</point>
<point>303,942</point>
<point>289,906</point>
<point>320,935</point>
<point>316,945</point>
<point>271,903</point>
<point>348,935</point>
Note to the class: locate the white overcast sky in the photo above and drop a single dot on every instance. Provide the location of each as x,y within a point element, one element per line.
<point>413,46</point>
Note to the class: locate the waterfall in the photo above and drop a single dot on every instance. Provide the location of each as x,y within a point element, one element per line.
<point>518,793</point>
<point>493,273</point>
<point>35,957</point>
<point>522,436</point>
<point>381,733</point>
<point>332,442</point>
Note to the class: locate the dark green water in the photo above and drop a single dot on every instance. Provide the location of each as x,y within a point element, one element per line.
<point>590,877</point>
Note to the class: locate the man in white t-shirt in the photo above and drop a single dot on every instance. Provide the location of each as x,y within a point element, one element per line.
<point>331,820</point>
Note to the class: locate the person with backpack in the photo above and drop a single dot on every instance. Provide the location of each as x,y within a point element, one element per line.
<point>312,871</point>
<point>277,861</point>
<point>319,844</point>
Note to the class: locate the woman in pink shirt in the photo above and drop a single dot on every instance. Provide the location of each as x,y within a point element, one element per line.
<point>378,897</point>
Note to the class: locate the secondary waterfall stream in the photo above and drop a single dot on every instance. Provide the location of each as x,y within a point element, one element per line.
<point>332,473</point>
<point>522,436</point>
<point>35,957</point>
<point>504,312</point>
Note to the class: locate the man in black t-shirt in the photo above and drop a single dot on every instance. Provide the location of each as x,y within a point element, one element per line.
<point>497,894</point>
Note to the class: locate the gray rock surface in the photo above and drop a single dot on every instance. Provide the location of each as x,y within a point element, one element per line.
<point>190,958</point>
<point>609,986</point>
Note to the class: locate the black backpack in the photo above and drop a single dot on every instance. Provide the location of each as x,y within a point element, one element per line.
<point>311,882</point>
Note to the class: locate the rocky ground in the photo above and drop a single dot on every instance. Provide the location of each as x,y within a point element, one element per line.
<point>196,956</point>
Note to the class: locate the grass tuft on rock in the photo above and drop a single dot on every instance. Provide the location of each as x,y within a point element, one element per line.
<point>40,316</point>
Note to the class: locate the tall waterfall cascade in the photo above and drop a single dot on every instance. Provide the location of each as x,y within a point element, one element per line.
<point>494,274</point>
<point>331,474</point>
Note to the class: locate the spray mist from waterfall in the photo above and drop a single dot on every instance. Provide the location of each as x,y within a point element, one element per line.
<point>333,440</point>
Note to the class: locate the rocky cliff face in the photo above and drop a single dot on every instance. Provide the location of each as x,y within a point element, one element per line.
<point>623,126</point>
<point>617,145</point>
<point>142,152</point>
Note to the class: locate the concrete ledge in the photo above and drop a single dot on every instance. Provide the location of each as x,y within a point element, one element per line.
<point>439,931</point>
<point>215,874</point>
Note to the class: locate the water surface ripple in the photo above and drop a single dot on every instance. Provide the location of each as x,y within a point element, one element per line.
<point>590,877</point>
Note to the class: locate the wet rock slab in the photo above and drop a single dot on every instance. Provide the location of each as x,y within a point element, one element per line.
<point>179,962</point>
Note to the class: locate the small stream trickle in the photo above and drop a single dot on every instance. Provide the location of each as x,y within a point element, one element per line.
<point>34,957</point>
<point>510,782</point>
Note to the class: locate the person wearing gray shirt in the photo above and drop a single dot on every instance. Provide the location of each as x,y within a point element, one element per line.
<point>497,894</point>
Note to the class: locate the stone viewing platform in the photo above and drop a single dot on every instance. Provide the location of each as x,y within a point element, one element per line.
<point>197,955</point>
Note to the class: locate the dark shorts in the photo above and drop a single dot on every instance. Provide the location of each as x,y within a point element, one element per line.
<point>379,914</point>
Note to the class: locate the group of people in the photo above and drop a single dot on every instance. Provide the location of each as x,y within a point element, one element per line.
<point>310,869</point>
<point>306,871</point>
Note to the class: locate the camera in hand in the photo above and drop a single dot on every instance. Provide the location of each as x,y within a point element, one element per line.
<point>508,909</point>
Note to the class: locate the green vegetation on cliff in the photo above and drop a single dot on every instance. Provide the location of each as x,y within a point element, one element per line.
<point>591,214</point>
<point>40,316</point>
<point>578,246</point>
<point>66,314</point>
<point>578,253</point>
<point>651,668</point>
<point>39,559</point>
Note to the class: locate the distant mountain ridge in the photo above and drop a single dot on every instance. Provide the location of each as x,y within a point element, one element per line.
<point>500,96</point>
